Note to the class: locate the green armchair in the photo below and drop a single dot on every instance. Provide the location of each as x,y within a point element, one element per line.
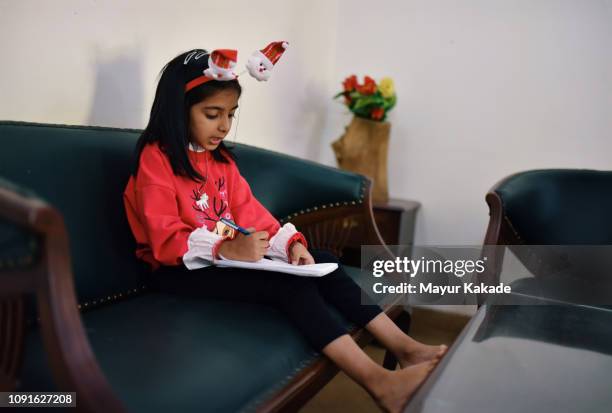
<point>534,210</point>
<point>76,311</point>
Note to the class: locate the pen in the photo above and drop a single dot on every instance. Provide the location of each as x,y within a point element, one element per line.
<point>235,226</point>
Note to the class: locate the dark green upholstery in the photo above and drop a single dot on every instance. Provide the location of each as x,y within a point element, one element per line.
<point>161,353</point>
<point>18,247</point>
<point>82,172</point>
<point>287,185</point>
<point>560,206</point>
<point>167,354</point>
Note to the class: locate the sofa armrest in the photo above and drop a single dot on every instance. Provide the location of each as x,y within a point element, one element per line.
<point>49,279</point>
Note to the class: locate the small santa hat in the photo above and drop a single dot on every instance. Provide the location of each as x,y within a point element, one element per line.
<point>262,61</point>
<point>203,66</point>
<point>221,63</point>
<point>223,58</point>
<point>274,51</point>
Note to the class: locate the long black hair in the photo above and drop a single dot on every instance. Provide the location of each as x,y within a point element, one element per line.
<point>169,121</point>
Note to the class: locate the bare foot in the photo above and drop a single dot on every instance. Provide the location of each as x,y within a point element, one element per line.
<point>395,390</point>
<point>420,352</point>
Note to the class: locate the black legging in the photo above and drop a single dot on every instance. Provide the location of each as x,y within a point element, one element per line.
<point>303,299</point>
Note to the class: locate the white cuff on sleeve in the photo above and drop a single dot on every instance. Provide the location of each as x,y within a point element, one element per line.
<point>200,245</point>
<point>278,243</point>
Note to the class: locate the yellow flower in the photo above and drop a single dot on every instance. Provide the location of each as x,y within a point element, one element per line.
<point>386,87</point>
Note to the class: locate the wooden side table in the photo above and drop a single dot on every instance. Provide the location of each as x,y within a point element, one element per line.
<point>395,221</point>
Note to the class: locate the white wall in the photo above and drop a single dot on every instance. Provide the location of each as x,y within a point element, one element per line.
<point>96,62</point>
<point>486,88</point>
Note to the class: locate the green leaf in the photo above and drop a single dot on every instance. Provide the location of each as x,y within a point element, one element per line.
<point>371,100</point>
<point>389,103</point>
<point>362,112</point>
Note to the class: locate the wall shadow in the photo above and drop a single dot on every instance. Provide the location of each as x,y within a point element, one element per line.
<point>118,91</point>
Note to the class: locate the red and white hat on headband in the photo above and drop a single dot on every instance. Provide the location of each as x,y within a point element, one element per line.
<point>262,61</point>
<point>222,63</point>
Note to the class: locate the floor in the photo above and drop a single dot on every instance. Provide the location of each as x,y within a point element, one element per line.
<point>344,395</point>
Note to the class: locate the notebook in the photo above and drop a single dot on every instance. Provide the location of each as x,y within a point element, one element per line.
<point>266,264</point>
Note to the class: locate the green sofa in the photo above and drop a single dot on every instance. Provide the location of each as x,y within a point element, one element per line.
<point>76,310</point>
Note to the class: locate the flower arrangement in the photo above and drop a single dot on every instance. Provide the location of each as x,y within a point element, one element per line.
<point>368,100</point>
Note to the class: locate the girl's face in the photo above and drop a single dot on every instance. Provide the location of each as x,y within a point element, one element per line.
<point>211,119</point>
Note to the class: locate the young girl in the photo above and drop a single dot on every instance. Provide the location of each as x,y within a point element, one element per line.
<point>185,180</point>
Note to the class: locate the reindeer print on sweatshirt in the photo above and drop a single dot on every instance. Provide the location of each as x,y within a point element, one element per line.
<point>210,215</point>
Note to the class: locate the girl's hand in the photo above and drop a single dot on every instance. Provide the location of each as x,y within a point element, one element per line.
<point>246,247</point>
<point>299,255</point>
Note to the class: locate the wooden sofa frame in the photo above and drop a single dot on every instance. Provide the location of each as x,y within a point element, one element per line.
<point>48,277</point>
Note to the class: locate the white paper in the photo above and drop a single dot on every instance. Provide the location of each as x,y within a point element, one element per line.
<point>266,264</point>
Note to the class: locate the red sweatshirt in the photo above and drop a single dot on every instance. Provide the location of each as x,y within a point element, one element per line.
<point>176,220</point>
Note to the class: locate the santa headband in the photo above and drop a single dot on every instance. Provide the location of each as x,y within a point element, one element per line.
<point>220,64</point>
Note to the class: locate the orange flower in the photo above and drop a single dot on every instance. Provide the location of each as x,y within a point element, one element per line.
<point>377,113</point>
<point>368,87</point>
<point>350,83</point>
